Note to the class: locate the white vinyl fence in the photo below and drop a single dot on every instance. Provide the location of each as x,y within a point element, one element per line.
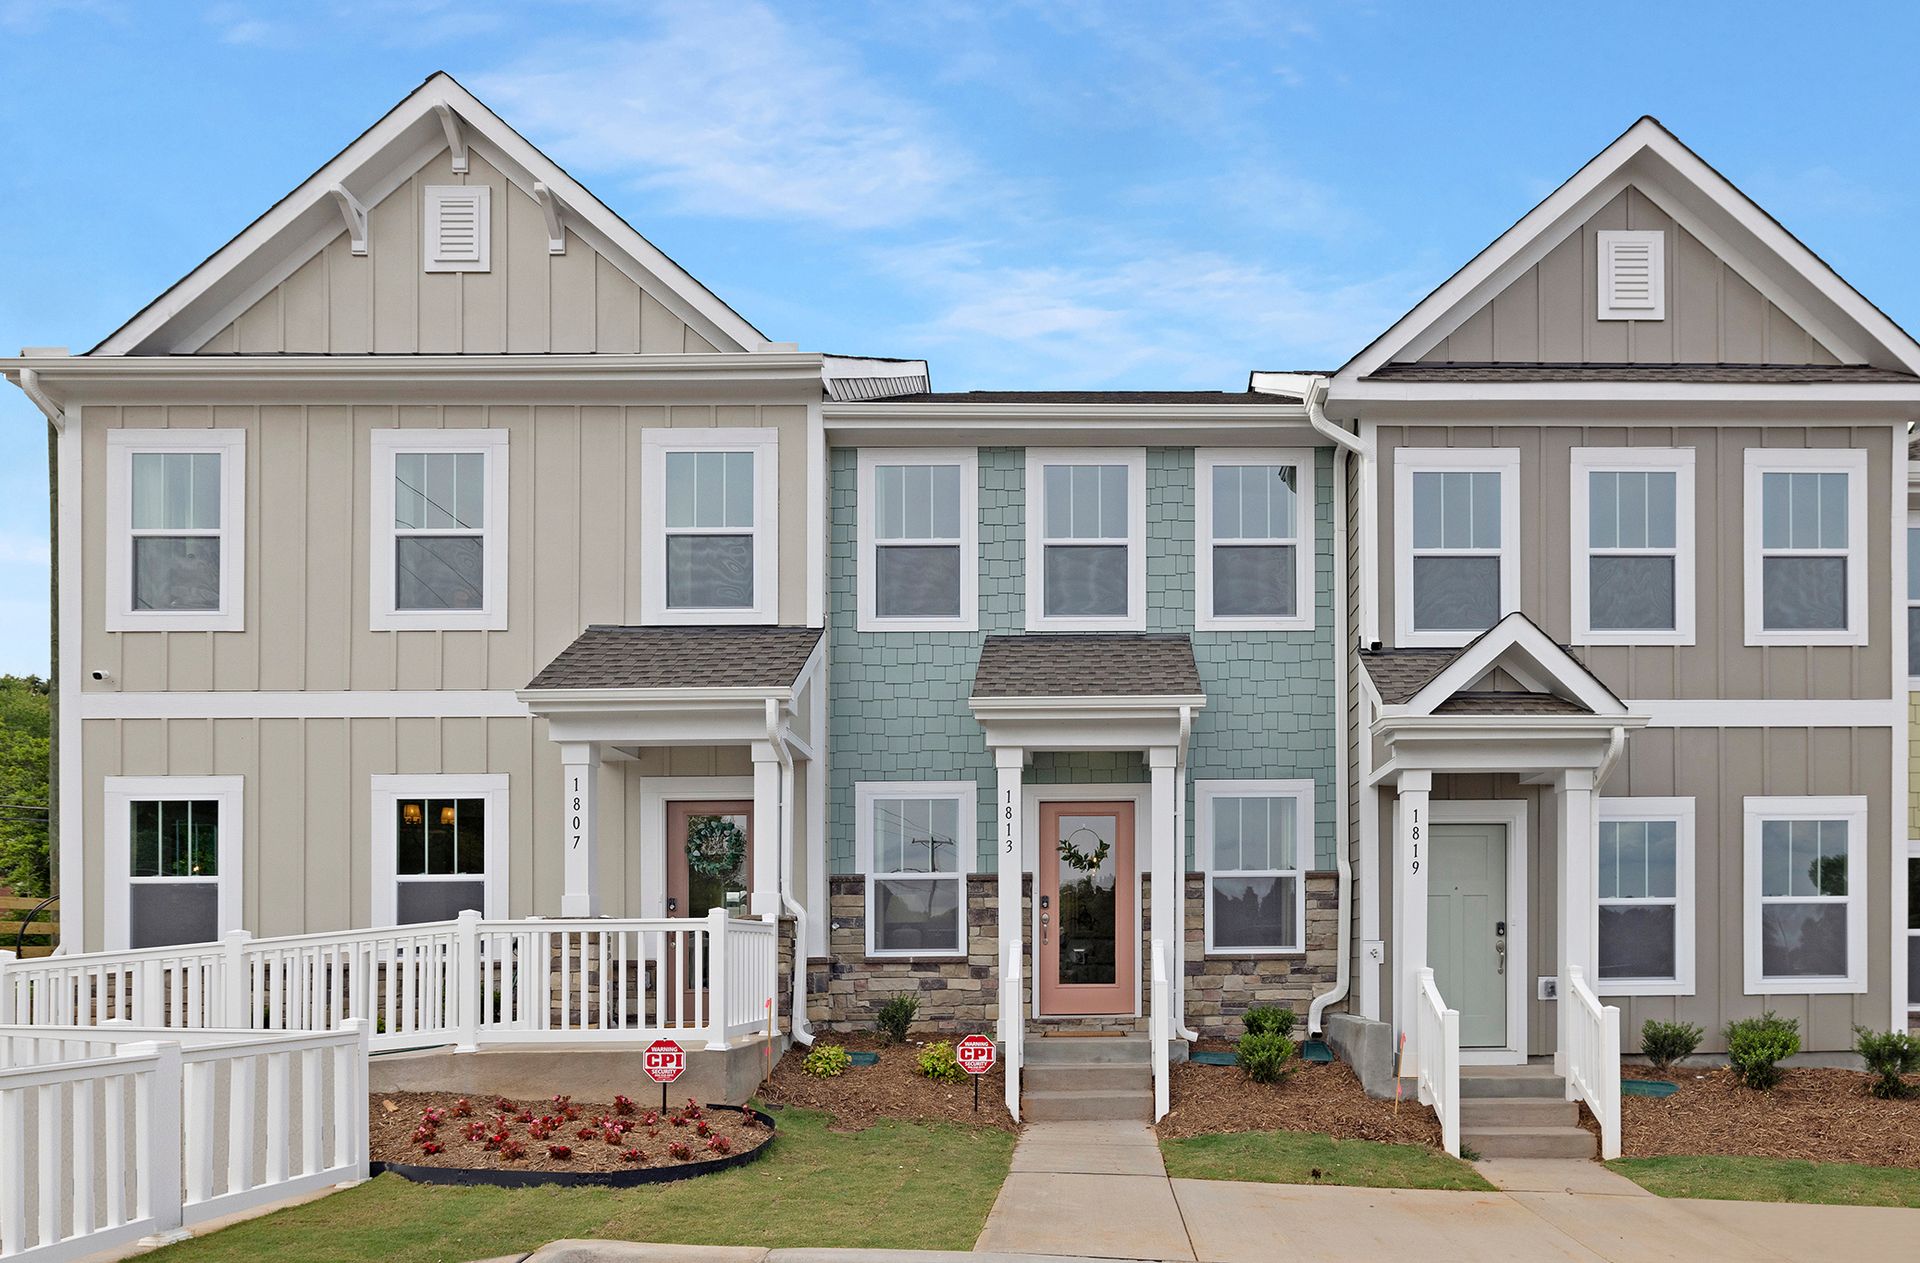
<point>466,982</point>
<point>1593,1059</point>
<point>116,1133</point>
<point>1013,1022</point>
<point>1159,1022</point>
<point>1436,1052</point>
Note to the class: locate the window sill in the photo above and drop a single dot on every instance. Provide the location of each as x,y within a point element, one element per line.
<point>1807,986</point>
<point>1215,623</point>
<point>1631,989</point>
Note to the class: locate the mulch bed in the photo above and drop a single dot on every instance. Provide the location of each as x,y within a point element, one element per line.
<point>398,1134</point>
<point>895,1088</point>
<point>1820,1115</point>
<point>1321,1097</point>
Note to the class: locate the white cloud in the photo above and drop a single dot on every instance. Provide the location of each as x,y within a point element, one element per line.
<point>21,548</point>
<point>734,111</point>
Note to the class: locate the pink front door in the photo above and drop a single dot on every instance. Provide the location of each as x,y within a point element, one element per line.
<point>1088,931</point>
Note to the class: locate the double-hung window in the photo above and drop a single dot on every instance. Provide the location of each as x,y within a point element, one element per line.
<point>1806,883</point>
<point>1646,896</point>
<point>1253,537</point>
<point>918,565</point>
<point>439,847</point>
<point>708,508</point>
<point>1086,539</point>
<point>916,844</point>
<point>1806,554</point>
<point>176,505</point>
<point>1254,841</point>
<point>1632,531</point>
<point>1456,542</point>
<point>173,859</point>
<point>439,530</point>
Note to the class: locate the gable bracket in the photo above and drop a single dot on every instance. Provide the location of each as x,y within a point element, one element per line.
<point>456,136</point>
<point>552,207</point>
<point>355,216</point>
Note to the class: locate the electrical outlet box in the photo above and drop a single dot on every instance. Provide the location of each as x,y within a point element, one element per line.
<point>1550,987</point>
<point>1374,951</point>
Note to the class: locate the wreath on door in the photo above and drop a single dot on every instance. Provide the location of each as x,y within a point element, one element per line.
<point>716,847</point>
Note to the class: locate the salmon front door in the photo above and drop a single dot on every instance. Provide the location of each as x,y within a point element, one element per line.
<point>695,889</point>
<point>1088,907</point>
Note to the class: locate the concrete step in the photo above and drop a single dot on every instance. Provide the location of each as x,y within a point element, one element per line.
<point>1530,1142</point>
<point>1476,1082</point>
<point>1508,1111</point>
<point>1087,1076</point>
<point>1068,1050</point>
<point>1086,1105</point>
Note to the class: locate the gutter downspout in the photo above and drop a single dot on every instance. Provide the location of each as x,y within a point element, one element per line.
<point>1616,745</point>
<point>1179,987</point>
<point>802,1032</point>
<point>58,671</point>
<point>1350,447</point>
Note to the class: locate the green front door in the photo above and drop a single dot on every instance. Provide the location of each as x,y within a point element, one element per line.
<point>1467,927</point>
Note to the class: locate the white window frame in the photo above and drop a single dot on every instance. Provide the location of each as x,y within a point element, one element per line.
<point>1134,461</point>
<point>1852,809</point>
<point>867,616</point>
<point>1205,461</point>
<point>1912,601</point>
<point>764,443</point>
<point>1851,461</point>
<point>1408,461</point>
<point>119,793</point>
<point>231,447</point>
<point>967,794</point>
<point>1583,463</point>
<point>1680,811</point>
<point>385,876</point>
<point>1205,794</point>
<point>383,613</point>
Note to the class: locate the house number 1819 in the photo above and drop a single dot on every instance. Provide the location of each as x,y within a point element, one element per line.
<point>1413,842</point>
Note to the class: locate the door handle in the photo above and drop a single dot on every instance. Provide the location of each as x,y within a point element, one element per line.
<point>1043,927</point>
<point>1500,945</point>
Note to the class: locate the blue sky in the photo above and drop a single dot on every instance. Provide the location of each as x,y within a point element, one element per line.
<point>1030,195</point>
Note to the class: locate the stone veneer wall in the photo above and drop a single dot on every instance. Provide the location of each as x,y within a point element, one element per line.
<point>962,996</point>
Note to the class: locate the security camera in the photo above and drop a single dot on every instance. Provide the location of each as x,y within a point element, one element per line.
<point>98,674</point>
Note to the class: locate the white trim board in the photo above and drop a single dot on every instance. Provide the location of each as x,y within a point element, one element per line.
<point>1134,461</point>
<point>1763,461</point>
<point>868,544</point>
<point>1739,712</point>
<point>383,536</point>
<point>344,704</point>
<point>1851,808</point>
<point>387,789</point>
<point>1410,461</point>
<point>763,444</point>
<point>1512,813</point>
<point>1584,462</point>
<point>118,793</point>
<point>966,853</point>
<point>1685,920</point>
<point>230,445</point>
<point>1206,794</point>
<point>1304,542</point>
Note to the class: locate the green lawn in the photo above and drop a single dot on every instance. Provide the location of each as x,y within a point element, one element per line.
<point>894,1185</point>
<point>1773,1180</point>
<point>1292,1157</point>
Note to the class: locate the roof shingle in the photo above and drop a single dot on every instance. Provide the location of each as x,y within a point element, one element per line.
<point>612,657</point>
<point>1087,664</point>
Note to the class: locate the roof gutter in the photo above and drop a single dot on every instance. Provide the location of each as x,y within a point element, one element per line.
<point>28,380</point>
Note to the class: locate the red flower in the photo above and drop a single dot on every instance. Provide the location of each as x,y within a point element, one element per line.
<point>679,1150</point>
<point>692,1110</point>
<point>524,1116</point>
<point>622,1105</point>
<point>703,1128</point>
<point>504,1106</point>
<point>513,1150</point>
<point>586,1133</point>
<point>559,1151</point>
<point>652,1119</point>
<point>720,1144</point>
<point>430,1147</point>
<point>633,1155</point>
<point>462,1108</point>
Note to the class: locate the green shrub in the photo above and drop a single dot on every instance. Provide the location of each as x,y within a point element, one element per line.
<point>1888,1057</point>
<point>895,1016</point>
<point>1667,1042</point>
<point>1267,1019</point>
<point>938,1063</point>
<point>1264,1056</point>
<point>826,1061</point>
<point>1755,1044</point>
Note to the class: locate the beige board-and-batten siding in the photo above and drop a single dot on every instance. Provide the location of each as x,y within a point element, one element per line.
<point>574,549</point>
<point>1719,769</point>
<point>528,301</point>
<point>961,994</point>
<point>1719,663</point>
<point>307,804</point>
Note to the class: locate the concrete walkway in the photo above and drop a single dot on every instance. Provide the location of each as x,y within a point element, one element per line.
<point>1100,1190</point>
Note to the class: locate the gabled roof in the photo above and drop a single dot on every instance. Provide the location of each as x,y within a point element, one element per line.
<point>1653,160</point>
<point>680,658</point>
<point>1087,664</point>
<point>1447,681</point>
<point>438,115</point>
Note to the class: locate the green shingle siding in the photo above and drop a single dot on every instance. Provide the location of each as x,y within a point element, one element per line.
<point>899,699</point>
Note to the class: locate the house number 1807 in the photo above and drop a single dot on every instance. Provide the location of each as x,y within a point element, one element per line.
<point>575,810</point>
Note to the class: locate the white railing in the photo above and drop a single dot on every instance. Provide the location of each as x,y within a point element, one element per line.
<point>119,1136</point>
<point>466,982</point>
<point>1436,1051</point>
<point>1593,1059</point>
<point>1160,1025</point>
<point>1013,1022</point>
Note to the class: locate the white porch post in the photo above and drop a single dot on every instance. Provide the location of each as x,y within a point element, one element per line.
<point>1411,833</point>
<point>1009,854</point>
<point>1169,868</point>
<point>580,803</point>
<point>765,898</point>
<point>1578,916</point>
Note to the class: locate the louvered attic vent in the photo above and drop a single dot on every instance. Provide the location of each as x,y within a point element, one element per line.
<point>1633,275</point>
<point>457,228</point>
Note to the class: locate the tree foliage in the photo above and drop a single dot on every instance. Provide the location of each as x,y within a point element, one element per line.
<point>25,746</point>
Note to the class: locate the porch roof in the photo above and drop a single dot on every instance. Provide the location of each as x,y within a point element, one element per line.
<point>1087,665</point>
<point>680,658</point>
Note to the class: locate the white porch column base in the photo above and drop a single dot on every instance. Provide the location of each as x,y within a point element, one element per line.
<point>1579,944</point>
<point>1412,830</point>
<point>764,900</point>
<point>1167,924</point>
<point>580,802</point>
<point>1010,856</point>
